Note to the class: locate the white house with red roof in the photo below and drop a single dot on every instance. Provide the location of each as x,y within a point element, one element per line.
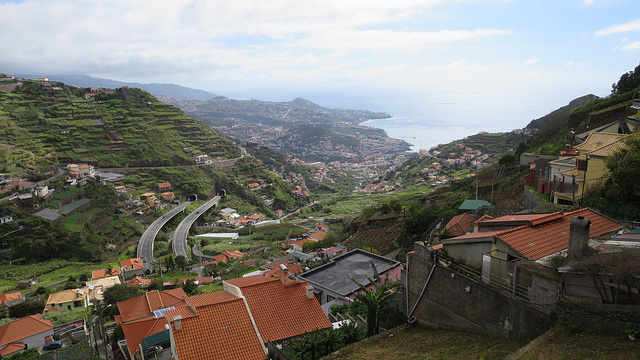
<point>26,333</point>
<point>131,267</point>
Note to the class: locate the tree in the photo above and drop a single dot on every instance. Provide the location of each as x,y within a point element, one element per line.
<point>377,299</point>
<point>191,241</point>
<point>169,263</point>
<point>156,284</point>
<point>181,262</point>
<point>189,286</point>
<point>623,186</point>
<point>28,307</point>
<point>116,293</point>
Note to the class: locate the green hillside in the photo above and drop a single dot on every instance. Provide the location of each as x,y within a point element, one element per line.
<point>43,124</point>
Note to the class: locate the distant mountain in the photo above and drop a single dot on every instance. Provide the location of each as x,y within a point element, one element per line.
<point>156,89</point>
<point>555,120</point>
<point>299,127</point>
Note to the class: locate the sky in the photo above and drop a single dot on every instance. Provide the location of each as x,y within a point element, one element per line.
<point>492,64</point>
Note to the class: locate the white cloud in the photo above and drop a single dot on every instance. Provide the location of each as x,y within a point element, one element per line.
<point>573,63</point>
<point>621,28</point>
<point>634,46</point>
<point>531,61</point>
<point>588,2</point>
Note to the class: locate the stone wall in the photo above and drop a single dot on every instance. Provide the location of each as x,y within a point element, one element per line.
<point>452,300</point>
<point>531,200</point>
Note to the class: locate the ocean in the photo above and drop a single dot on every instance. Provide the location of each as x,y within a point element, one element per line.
<point>422,133</point>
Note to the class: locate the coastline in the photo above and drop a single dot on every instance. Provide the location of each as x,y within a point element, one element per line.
<point>421,133</point>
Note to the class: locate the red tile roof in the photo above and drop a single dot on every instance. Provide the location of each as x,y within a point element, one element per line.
<point>280,311</point>
<point>221,328</point>
<point>23,328</point>
<point>275,271</point>
<point>318,235</point>
<point>143,306</point>
<point>135,331</point>
<point>102,273</point>
<point>8,297</point>
<point>460,224</point>
<point>547,235</point>
<point>132,264</point>
<point>11,348</point>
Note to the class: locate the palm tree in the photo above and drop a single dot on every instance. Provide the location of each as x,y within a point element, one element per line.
<point>376,299</point>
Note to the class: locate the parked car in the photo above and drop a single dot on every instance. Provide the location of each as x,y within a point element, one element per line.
<point>52,345</point>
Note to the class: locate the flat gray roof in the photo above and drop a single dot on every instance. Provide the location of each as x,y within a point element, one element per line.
<point>334,275</point>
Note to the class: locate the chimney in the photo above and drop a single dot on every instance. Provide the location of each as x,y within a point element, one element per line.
<point>177,322</point>
<point>309,289</point>
<point>578,237</point>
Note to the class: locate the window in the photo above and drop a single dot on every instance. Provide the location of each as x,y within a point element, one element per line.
<point>330,298</point>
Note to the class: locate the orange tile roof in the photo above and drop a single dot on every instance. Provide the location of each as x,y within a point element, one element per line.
<point>132,264</point>
<point>135,331</point>
<point>139,281</point>
<point>280,311</point>
<point>8,297</point>
<point>534,219</point>
<point>460,224</point>
<point>551,237</point>
<point>23,328</point>
<point>548,235</point>
<point>318,235</point>
<point>596,140</point>
<point>102,273</point>
<point>143,306</point>
<point>224,319</point>
<point>11,348</point>
<point>275,271</point>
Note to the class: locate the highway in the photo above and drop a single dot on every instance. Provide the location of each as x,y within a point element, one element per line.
<point>145,245</point>
<point>179,240</point>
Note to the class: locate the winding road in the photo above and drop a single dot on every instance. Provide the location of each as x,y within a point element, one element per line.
<point>145,245</point>
<point>179,240</point>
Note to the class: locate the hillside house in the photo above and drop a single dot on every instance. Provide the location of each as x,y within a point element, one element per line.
<point>202,159</point>
<point>511,238</point>
<point>139,282</point>
<point>227,213</point>
<point>164,186</point>
<point>590,168</point>
<point>332,283</point>
<point>98,286</point>
<point>6,219</point>
<point>67,300</point>
<point>26,333</point>
<point>168,196</point>
<point>460,224</point>
<point>131,268</point>
<point>104,273</point>
<point>143,316</point>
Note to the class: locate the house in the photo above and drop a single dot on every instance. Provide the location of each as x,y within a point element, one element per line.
<point>254,186</point>
<point>6,219</point>
<point>537,237</point>
<point>67,300</point>
<point>282,269</point>
<point>318,235</point>
<point>332,251</point>
<point>279,213</point>
<point>104,273</point>
<point>98,286</point>
<point>332,281</point>
<point>226,213</point>
<point>26,333</point>
<point>9,297</point>
<point>139,282</point>
<point>217,326</point>
<point>474,204</point>
<point>143,316</point>
<point>131,267</point>
<point>256,218</point>
<point>202,159</point>
<point>86,170</point>
<point>298,245</point>
<point>590,168</point>
<point>226,256</point>
<point>322,227</point>
<point>281,309</point>
<point>168,196</point>
<point>460,224</point>
<point>164,186</point>
<point>120,188</point>
<point>41,191</point>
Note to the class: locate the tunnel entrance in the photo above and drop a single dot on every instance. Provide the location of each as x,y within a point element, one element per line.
<point>193,197</point>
